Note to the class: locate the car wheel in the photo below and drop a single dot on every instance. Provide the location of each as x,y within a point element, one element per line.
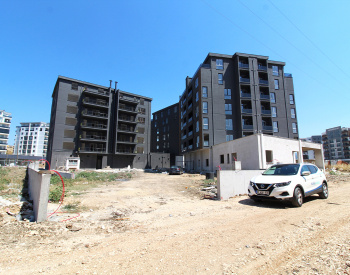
<point>298,197</point>
<point>324,193</point>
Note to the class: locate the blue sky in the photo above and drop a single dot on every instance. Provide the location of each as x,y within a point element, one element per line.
<point>150,47</point>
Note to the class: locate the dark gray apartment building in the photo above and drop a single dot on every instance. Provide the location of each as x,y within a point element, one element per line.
<point>166,131</point>
<point>336,143</point>
<point>104,126</point>
<point>232,96</point>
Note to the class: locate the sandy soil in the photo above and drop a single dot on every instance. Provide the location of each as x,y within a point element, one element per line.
<point>157,223</point>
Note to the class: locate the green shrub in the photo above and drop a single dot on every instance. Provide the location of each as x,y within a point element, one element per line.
<point>55,194</point>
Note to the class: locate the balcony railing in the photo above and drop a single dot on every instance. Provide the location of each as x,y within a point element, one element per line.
<point>127,108</point>
<point>99,92</point>
<point>98,102</point>
<point>129,99</point>
<point>94,137</point>
<point>94,125</point>
<point>126,151</point>
<point>128,140</point>
<point>246,95</point>
<point>244,65</point>
<point>127,129</point>
<point>263,81</point>
<point>262,67</point>
<point>288,75</point>
<point>184,136</point>
<point>94,149</point>
<point>247,127</point>
<point>190,133</point>
<point>189,106</point>
<point>263,96</point>
<point>243,79</point>
<point>267,128</point>
<point>127,118</point>
<point>266,112</point>
<point>190,119</point>
<point>247,111</point>
<point>94,113</point>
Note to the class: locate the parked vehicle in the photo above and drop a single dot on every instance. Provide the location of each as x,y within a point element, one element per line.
<point>176,170</point>
<point>291,182</point>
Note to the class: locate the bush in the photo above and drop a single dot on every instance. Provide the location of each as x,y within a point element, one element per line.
<point>55,194</point>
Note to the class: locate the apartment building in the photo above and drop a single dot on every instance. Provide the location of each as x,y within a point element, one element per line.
<point>166,131</point>
<point>336,143</point>
<point>310,155</point>
<point>233,96</point>
<point>31,139</point>
<point>5,123</point>
<point>104,126</point>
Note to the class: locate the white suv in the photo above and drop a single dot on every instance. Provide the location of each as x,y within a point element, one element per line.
<point>289,182</point>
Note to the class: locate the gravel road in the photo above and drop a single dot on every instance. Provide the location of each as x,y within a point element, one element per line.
<point>156,223</point>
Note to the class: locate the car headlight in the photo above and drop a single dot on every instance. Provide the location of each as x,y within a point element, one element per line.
<point>252,183</point>
<point>281,184</point>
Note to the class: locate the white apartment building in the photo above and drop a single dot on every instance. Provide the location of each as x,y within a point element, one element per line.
<point>31,139</point>
<point>5,122</point>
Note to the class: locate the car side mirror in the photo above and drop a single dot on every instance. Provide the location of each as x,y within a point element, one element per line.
<point>305,173</point>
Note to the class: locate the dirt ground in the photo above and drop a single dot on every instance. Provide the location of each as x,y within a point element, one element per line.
<point>157,223</point>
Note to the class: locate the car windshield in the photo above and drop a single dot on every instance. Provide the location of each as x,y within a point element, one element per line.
<point>282,170</point>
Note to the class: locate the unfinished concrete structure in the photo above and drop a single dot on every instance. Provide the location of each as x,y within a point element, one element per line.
<point>255,152</point>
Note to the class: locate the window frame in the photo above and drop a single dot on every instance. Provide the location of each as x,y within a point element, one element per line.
<point>276,84</point>
<point>275,126</point>
<point>205,94</point>
<point>205,123</point>
<point>274,72</point>
<point>227,94</point>
<point>205,110</point>
<point>219,64</point>
<point>220,79</point>
<point>274,113</point>
<point>228,126</point>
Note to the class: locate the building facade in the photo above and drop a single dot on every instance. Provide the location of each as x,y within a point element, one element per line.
<point>166,131</point>
<point>336,143</point>
<point>104,126</point>
<point>5,123</point>
<point>31,139</point>
<point>233,96</point>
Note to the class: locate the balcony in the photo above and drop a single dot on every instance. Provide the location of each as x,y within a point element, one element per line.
<point>189,106</point>
<point>126,108</point>
<point>266,112</point>
<point>128,151</point>
<point>190,133</point>
<point>267,128</point>
<point>263,82</point>
<point>95,102</point>
<point>244,80</point>
<point>246,111</point>
<point>124,128</point>
<point>190,147</point>
<point>130,119</point>
<point>97,114</point>
<point>93,149</point>
<point>264,97</point>
<point>184,136</point>
<point>99,92</point>
<point>246,95</point>
<point>243,65</point>
<point>97,138</point>
<point>262,67</point>
<point>94,125</point>
<point>288,75</point>
<point>126,140</point>
<point>189,120</point>
<point>247,127</point>
<point>128,99</point>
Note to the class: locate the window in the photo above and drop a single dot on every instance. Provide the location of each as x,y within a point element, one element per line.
<point>197,126</point>
<point>229,125</point>
<point>220,79</point>
<point>275,127</point>
<point>277,85</point>
<point>275,70</point>
<point>228,158</point>
<point>157,138</point>
<point>196,83</point>
<point>197,143</point>
<point>206,140</point>
<point>205,107</point>
<point>197,96</point>
<point>157,147</point>
<point>207,162</point>
<point>161,114</point>
<point>228,109</point>
<point>292,113</point>
<point>205,92</point>
<point>175,109</point>
<point>227,93</point>
<point>291,99</point>
<point>294,126</point>
<point>74,86</point>
<point>222,159</point>
<point>268,156</point>
<point>274,111</point>
<point>205,123</point>
<point>273,97</point>
<point>219,64</point>
<point>229,137</point>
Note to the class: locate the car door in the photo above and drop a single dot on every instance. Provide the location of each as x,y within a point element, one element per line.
<point>316,177</point>
<point>307,180</point>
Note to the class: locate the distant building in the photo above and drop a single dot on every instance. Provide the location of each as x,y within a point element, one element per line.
<point>5,123</point>
<point>310,155</point>
<point>101,125</point>
<point>32,139</point>
<point>166,131</point>
<point>336,143</point>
